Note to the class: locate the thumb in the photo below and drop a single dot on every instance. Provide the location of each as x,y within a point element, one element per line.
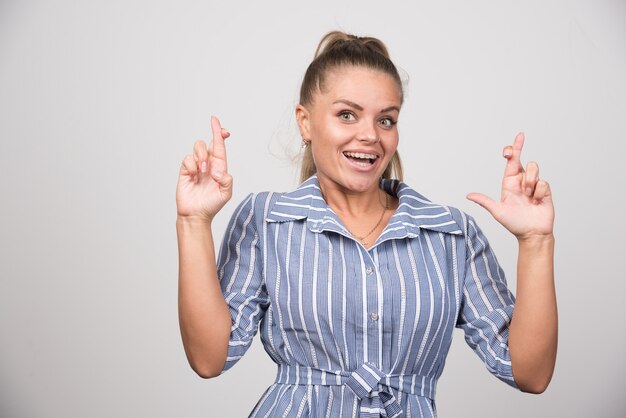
<point>225,184</point>
<point>485,201</point>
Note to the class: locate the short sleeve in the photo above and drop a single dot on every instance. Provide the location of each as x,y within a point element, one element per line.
<point>241,278</point>
<point>486,305</point>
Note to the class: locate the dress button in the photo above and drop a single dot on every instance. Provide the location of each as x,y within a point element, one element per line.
<point>374,316</point>
<point>369,270</point>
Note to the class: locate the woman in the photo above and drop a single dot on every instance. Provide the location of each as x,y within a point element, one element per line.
<point>356,279</point>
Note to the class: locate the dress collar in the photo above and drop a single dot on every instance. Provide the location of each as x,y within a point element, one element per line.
<point>414,212</point>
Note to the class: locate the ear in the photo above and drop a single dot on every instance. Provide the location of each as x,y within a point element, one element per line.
<point>303,118</point>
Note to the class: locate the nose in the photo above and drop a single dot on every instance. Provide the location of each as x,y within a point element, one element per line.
<point>368,133</point>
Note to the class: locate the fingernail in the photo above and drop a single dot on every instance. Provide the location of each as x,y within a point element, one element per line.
<point>203,167</point>
<point>529,191</point>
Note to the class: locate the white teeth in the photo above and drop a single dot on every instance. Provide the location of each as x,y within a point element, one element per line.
<point>360,155</point>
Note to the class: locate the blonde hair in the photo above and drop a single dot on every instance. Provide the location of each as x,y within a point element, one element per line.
<point>338,49</point>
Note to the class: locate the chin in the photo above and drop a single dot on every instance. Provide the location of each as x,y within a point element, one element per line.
<point>361,185</point>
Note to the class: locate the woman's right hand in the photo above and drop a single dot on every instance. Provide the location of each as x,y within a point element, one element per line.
<point>204,185</point>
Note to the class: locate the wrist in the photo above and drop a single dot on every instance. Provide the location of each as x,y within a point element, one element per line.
<point>194,220</point>
<point>539,240</point>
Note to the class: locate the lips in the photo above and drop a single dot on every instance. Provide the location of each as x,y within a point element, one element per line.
<point>361,158</point>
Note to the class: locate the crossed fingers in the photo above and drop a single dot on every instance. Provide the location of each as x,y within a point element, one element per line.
<point>211,159</point>
<point>529,181</point>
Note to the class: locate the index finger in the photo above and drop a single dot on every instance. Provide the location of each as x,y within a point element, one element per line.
<point>514,164</point>
<point>218,147</point>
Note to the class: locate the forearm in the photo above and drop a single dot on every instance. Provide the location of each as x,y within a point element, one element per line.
<point>203,314</point>
<point>533,331</point>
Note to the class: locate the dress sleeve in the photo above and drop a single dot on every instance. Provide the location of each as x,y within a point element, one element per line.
<point>241,278</point>
<point>486,305</point>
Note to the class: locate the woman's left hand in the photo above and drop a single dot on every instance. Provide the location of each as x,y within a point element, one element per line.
<point>525,207</point>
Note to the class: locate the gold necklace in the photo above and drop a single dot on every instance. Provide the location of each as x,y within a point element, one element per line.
<point>382,215</point>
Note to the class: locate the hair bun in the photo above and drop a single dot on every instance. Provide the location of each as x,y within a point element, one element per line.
<point>337,40</point>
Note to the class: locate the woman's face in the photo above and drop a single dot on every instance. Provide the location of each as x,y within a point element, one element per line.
<point>351,126</point>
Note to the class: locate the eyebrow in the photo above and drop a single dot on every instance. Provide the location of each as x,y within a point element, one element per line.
<point>360,108</point>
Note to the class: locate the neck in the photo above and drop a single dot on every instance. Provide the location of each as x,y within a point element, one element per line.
<point>351,202</point>
<point>364,213</point>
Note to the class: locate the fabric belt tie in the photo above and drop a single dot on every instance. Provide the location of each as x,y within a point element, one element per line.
<point>376,390</point>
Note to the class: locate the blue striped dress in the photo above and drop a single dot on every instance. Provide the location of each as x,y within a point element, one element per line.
<point>360,332</point>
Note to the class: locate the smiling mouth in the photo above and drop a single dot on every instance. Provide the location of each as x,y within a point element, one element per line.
<point>361,158</point>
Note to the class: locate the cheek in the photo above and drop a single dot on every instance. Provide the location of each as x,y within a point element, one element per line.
<point>329,134</point>
<point>392,142</point>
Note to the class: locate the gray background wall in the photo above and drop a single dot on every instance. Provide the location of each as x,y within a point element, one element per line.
<point>101,100</point>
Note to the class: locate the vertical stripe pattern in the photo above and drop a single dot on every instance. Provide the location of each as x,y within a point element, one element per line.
<point>360,332</point>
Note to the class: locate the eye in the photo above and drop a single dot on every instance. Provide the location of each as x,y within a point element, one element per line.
<point>387,122</point>
<point>346,116</point>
